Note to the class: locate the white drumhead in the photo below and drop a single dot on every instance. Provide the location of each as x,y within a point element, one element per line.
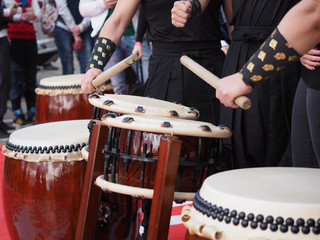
<point>278,195</point>
<point>66,137</point>
<point>63,84</point>
<point>128,104</point>
<point>60,85</point>
<point>70,80</point>
<point>171,126</point>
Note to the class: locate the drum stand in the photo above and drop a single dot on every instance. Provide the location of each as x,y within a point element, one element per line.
<point>165,181</point>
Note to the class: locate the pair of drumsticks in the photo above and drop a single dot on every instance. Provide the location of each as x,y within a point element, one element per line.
<point>242,101</point>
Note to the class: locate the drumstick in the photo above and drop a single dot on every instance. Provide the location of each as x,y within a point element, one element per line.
<point>115,69</point>
<point>242,101</point>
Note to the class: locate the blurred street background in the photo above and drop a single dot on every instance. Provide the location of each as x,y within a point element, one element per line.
<point>50,70</point>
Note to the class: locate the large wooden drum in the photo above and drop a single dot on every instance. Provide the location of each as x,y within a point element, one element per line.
<point>133,148</point>
<point>43,180</point>
<point>256,204</point>
<point>59,98</point>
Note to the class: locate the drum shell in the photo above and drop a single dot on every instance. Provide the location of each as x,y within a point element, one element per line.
<point>123,217</point>
<point>62,107</point>
<point>193,168</point>
<point>42,199</point>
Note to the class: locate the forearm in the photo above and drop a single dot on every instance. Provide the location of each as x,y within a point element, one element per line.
<point>112,32</point>
<point>116,24</point>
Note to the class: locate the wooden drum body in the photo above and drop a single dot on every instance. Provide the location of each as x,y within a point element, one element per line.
<point>43,180</point>
<point>133,146</point>
<point>60,98</point>
<point>256,204</point>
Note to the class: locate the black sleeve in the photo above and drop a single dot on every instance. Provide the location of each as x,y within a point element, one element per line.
<point>142,25</point>
<point>4,20</point>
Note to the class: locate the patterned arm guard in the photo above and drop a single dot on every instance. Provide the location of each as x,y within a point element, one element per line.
<point>101,53</point>
<point>273,55</point>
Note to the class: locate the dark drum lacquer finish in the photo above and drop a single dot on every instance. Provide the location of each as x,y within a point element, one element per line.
<point>62,107</point>
<point>42,199</point>
<point>118,217</point>
<point>134,154</point>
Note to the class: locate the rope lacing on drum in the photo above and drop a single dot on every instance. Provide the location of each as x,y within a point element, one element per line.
<point>45,149</point>
<point>274,224</point>
<point>60,87</point>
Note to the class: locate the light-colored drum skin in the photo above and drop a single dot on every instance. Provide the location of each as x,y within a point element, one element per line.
<point>59,98</point>
<point>128,104</point>
<point>133,150</point>
<point>256,204</point>
<point>43,180</point>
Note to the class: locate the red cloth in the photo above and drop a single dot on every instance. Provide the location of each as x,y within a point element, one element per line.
<point>22,30</point>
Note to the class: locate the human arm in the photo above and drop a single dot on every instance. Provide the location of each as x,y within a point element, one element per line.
<point>300,27</point>
<point>111,32</point>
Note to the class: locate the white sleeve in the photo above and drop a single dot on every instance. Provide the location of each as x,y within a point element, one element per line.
<point>91,8</point>
<point>36,9</point>
<point>65,13</point>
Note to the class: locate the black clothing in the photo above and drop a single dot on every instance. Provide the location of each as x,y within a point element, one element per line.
<point>169,80</point>
<point>160,29</point>
<point>306,127</point>
<point>142,25</point>
<point>200,39</point>
<point>4,20</point>
<point>305,120</point>
<point>261,135</point>
<point>311,78</point>
<point>4,64</point>
<point>5,76</point>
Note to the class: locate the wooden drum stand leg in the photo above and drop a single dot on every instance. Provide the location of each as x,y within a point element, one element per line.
<point>91,193</point>
<point>165,183</point>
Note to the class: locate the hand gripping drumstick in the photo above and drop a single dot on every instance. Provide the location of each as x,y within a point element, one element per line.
<point>115,69</point>
<point>211,79</point>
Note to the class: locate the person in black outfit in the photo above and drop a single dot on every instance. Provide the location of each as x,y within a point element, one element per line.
<point>296,34</point>
<point>261,135</point>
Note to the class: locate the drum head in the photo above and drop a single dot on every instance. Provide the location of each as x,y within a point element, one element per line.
<point>168,126</point>
<point>64,84</point>
<point>128,104</point>
<point>259,203</point>
<point>56,141</point>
